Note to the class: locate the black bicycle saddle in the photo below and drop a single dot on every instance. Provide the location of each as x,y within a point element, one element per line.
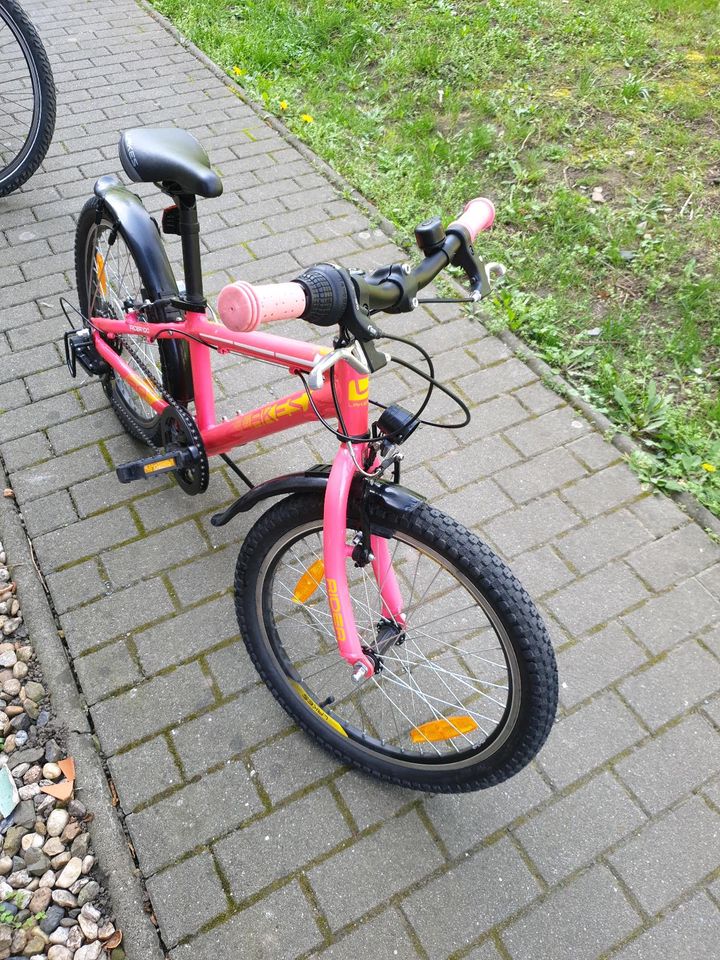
<point>169,156</point>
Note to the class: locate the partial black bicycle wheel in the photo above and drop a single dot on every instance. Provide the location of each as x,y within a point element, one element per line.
<point>108,278</point>
<point>465,693</point>
<point>27,98</point>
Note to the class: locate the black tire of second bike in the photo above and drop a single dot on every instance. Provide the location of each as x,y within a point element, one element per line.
<point>42,125</point>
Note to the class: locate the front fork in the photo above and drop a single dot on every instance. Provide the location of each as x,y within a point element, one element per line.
<point>337,552</point>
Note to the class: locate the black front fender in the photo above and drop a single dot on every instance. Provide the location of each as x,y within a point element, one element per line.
<point>315,480</point>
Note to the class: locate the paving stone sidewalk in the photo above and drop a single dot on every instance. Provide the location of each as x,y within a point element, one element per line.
<point>251,842</point>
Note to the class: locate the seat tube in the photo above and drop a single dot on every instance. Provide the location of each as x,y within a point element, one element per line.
<point>202,378</point>
<point>199,352</point>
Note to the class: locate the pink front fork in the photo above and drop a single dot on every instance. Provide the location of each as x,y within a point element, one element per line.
<point>336,555</point>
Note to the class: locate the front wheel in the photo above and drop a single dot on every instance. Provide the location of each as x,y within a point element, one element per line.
<point>464,695</point>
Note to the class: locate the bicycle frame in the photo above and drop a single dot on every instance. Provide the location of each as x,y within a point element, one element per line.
<point>290,411</point>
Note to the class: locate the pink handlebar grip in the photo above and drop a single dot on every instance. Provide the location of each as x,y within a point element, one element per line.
<point>243,307</point>
<point>477,216</point>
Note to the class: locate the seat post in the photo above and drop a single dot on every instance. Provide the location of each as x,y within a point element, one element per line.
<point>190,238</point>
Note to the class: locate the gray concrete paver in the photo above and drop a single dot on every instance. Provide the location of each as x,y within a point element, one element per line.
<point>576,829</point>
<point>597,661</point>
<point>578,922</point>
<point>670,687</point>
<point>665,768</point>
<point>174,894</point>
<point>374,868</point>
<point>506,884</point>
<point>281,843</point>
<point>281,926</point>
<point>192,816</point>
<point>633,583</point>
<point>670,855</point>
<point>688,933</point>
<point>384,936</point>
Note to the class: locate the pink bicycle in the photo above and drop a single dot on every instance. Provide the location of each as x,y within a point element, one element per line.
<point>388,631</point>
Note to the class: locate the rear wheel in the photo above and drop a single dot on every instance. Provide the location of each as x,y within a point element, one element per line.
<point>108,279</point>
<point>465,694</point>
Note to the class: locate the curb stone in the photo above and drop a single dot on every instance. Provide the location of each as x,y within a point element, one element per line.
<point>140,938</point>
<point>625,444</point>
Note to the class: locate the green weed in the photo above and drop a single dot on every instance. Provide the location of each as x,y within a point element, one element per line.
<point>594,128</point>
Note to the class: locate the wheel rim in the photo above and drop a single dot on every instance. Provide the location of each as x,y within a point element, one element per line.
<point>19,98</point>
<point>456,660</point>
<point>113,279</point>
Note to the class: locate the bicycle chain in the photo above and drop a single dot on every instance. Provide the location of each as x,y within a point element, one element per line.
<point>186,419</point>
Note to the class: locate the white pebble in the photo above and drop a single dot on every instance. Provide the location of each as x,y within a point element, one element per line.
<point>57,821</point>
<point>59,951</point>
<point>88,927</point>
<point>90,952</point>
<point>91,912</point>
<point>69,873</point>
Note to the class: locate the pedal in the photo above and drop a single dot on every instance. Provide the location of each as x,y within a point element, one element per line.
<point>80,348</point>
<point>161,463</point>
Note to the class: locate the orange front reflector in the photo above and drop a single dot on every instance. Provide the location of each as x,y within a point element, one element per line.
<point>442,729</point>
<point>309,582</point>
<point>101,275</point>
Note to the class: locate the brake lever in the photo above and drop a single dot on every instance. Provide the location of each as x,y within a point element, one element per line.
<point>348,354</point>
<point>489,275</point>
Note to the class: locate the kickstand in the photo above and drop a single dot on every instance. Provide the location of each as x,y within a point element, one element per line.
<point>236,469</point>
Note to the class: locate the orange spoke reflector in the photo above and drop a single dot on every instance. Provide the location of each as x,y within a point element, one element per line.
<point>442,729</point>
<point>309,582</point>
<point>101,275</point>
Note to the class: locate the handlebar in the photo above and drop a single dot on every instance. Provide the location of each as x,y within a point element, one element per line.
<point>320,295</point>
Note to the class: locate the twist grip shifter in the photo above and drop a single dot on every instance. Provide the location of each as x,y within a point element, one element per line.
<point>325,294</point>
<point>331,297</point>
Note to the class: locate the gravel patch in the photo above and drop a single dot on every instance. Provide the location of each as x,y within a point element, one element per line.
<point>52,900</point>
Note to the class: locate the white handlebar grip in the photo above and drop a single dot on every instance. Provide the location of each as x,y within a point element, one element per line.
<point>242,307</point>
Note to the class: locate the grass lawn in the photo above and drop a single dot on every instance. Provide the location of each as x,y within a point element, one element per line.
<point>595,128</point>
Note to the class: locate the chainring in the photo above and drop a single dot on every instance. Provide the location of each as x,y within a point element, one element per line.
<point>178,431</point>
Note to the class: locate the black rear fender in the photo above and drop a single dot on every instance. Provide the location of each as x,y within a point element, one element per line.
<point>141,234</point>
